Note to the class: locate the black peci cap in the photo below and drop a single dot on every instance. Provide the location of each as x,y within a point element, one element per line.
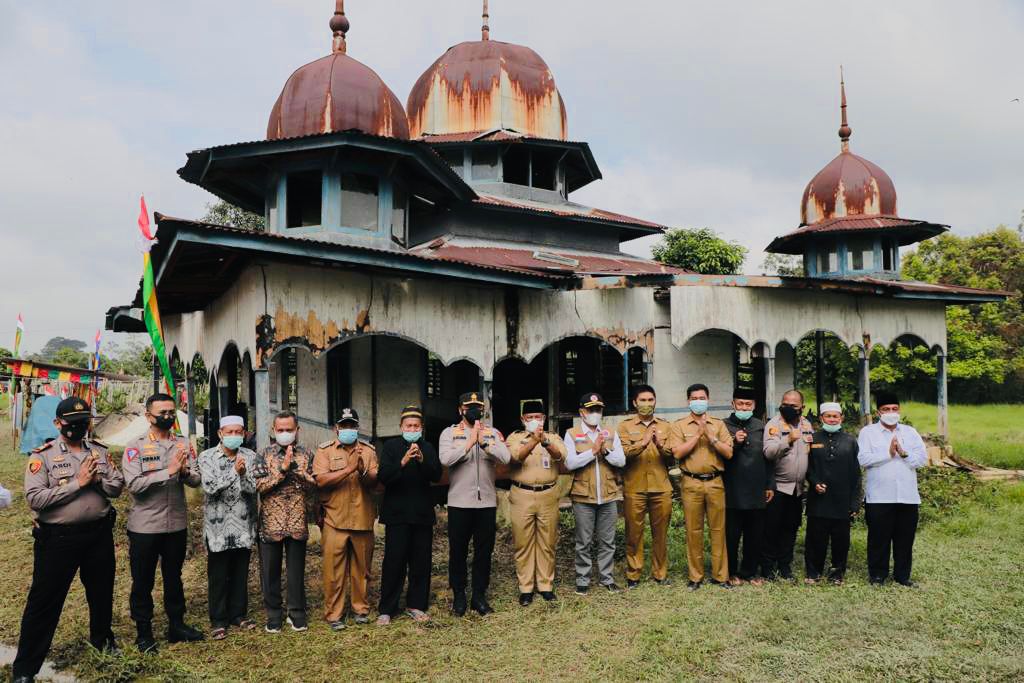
<point>744,394</point>
<point>531,405</point>
<point>886,398</point>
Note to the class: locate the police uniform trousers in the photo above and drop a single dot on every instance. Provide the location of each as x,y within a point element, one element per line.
<point>407,548</point>
<point>534,534</point>
<point>822,531</point>
<point>748,526</point>
<point>227,574</point>
<point>783,517</point>
<point>891,526</point>
<point>700,499</point>
<point>480,525</point>
<point>59,551</point>
<point>347,558</point>
<point>638,506</point>
<point>144,551</point>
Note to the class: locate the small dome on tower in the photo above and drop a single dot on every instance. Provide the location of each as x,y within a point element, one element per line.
<point>336,93</point>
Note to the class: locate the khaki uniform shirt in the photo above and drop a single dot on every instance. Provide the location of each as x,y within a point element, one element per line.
<point>53,491</point>
<point>703,459</point>
<point>790,460</point>
<point>283,494</point>
<point>646,471</point>
<point>349,505</point>
<point>158,499</point>
<point>539,467</point>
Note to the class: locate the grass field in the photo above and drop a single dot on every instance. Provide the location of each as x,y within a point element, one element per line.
<point>987,434</point>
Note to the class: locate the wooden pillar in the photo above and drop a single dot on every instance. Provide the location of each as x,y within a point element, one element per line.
<point>864,382</point>
<point>261,400</point>
<point>625,382</point>
<point>190,393</point>
<point>943,398</point>
<point>769,385</point>
<point>819,369</point>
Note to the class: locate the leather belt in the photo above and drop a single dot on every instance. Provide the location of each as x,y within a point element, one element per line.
<point>535,489</point>
<point>702,477</point>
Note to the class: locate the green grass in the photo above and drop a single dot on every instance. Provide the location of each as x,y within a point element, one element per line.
<point>987,434</point>
<point>965,622</point>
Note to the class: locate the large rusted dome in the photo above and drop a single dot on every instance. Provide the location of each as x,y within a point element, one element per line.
<point>848,186</point>
<point>336,93</point>
<point>487,85</point>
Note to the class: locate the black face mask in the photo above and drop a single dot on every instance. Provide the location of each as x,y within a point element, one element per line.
<point>74,432</point>
<point>162,422</point>
<point>472,414</point>
<point>789,413</point>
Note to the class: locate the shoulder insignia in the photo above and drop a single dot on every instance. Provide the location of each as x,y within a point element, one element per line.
<point>367,445</point>
<point>40,449</point>
<point>94,442</point>
<point>326,444</point>
<point>772,431</point>
<point>34,465</point>
<point>131,453</point>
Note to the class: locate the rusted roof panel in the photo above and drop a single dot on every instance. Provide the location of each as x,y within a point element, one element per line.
<point>848,186</point>
<point>904,230</point>
<point>487,85</point>
<point>568,210</point>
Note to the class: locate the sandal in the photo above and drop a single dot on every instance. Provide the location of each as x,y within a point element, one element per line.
<point>384,620</point>
<point>418,616</point>
<point>219,633</point>
<point>246,624</point>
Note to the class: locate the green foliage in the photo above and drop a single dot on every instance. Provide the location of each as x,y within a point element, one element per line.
<point>71,357</point>
<point>787,265</point>
<point>134,358</point>
<point>5,353</point>
<point>700,251</point>
<point>222,213</point>
<point>840,369</point>
<point>54,345</point>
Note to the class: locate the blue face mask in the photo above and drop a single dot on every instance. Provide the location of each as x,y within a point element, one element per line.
<point>832,429</point>
<point>412,437</point>
<point>698,406</point>
<point>348,436</point>
<point>233,442</point>
<point>743,415</point>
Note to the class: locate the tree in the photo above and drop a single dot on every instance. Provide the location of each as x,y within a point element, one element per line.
<point>71,357</point>
<point>700,251</point>
<point>786,265</point>
<point>223,213</point>
<point>5,353</point>
<point>134,358</point>
<point>52,347</point>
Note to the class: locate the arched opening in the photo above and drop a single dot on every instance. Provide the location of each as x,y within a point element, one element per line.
<point>827,369</point>
<point>722,361</point>
<point>515,381</point>
<point>907,367</point>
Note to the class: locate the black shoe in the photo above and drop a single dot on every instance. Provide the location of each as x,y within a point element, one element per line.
<point>663,582</point>
<point>183,633</point>
<point>459,604</point>
<point>481,607</point>
<point>723,584</point>
<point>525,599</point>
<point>548,595</point>
<point>907,584</point>
<point>874,581</point>
<point>786,575</point>
<point>23,679</point>
<point>581,589</point>
<point>145,640</point>
<point>692,585</point>
<point>613,587</point>
<point>630,584</point>
<point>110,648</point>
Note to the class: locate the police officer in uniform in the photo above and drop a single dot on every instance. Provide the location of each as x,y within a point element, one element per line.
<point>157,467</point>
<point>533,502</point>
<point>68,484</point>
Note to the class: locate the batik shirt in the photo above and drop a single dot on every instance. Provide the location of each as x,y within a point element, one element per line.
<point>229,500</point>
<point>284,495</point>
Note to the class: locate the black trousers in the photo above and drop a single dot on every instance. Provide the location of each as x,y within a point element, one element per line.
<point>407,548</point>
<point>478,524</point>
<point>144,551</point>
<point>783,517</point>
<point>271,554</point>
<point>891,527</point>
<point>227,574</point>
<point>822,531</point>
<point>58,553</point>
<point>747,525</point>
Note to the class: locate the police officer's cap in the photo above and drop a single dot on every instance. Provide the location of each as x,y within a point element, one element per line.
<point>532,405</point>
<point>348,415</point>
<point>591,400</point>
<point>471,398</point>
<point>73,409</point>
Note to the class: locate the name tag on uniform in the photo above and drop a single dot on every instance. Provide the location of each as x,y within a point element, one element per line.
<point>459,438</point>
<point>545,461</point>
<point>150,463</point>
<point>817,445</point>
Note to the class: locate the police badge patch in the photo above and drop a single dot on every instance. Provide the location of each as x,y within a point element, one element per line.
<point>131,454</point>
<point>34,465</point>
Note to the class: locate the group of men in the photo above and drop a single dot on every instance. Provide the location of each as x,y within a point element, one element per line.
<point>751,481</point>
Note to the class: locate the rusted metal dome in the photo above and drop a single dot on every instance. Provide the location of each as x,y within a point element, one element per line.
<point>336,93</point>
<point>488,85</point>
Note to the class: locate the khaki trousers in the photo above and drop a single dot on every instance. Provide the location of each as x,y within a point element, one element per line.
<point>638,506</point>
<point>347,559</point>
<point>535,534</point>
<point>700,497</point>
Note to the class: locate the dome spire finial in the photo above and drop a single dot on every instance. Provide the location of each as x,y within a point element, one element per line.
<point>486,31</point>
<point>844,128</point>
<point>339,27</point>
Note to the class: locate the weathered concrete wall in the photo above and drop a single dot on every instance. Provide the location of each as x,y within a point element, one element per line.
<point>708,359</point>
<point>785,379</point>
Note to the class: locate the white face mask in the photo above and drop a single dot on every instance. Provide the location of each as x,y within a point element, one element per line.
<point>889,419</point>
<point>593,419</point>
<point>533,425</point>
<point>284,438</point>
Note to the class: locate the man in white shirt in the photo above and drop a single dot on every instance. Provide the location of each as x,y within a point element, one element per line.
<point>594,455</point>
<point>890,453</point>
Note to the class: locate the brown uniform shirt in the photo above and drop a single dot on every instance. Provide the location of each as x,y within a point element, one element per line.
<point>158,499</point>
<point>646,470</point>
<point>703,459</point>
<point>349,505</point>
<point>53,492</point>
<point>539,467</point>
<point>283,494</point>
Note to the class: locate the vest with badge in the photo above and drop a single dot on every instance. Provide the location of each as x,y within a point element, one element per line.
<point>584,482</point>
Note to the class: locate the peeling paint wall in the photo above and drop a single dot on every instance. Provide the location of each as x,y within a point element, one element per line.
<point>707,358</point>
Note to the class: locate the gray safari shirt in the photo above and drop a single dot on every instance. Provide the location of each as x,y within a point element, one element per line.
<point>790,459</point>
<point>471,473</point>
<point>158,499</point>
<point>52,489</point>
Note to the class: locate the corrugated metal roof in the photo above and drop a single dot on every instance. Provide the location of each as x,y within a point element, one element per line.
<point>905,230</point>
<point>569,210</point>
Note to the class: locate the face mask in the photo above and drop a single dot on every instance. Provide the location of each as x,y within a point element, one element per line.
<point>284,438</point>
<point>163,422</point>
<point>698,406</point>
<point>232,442</point>
<point>412,437</point>
<point>789,413</point>
<point>472,414</point>
<point>348,436</point>
<point>743,415</point>
<point>889,419</point>
<point>645,409</point>
<point>74,432</point>
<point>533,425</point>
<point>592,419</point>
<point>832,429</point>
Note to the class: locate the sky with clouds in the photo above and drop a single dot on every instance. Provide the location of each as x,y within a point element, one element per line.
<point>700,113</point>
